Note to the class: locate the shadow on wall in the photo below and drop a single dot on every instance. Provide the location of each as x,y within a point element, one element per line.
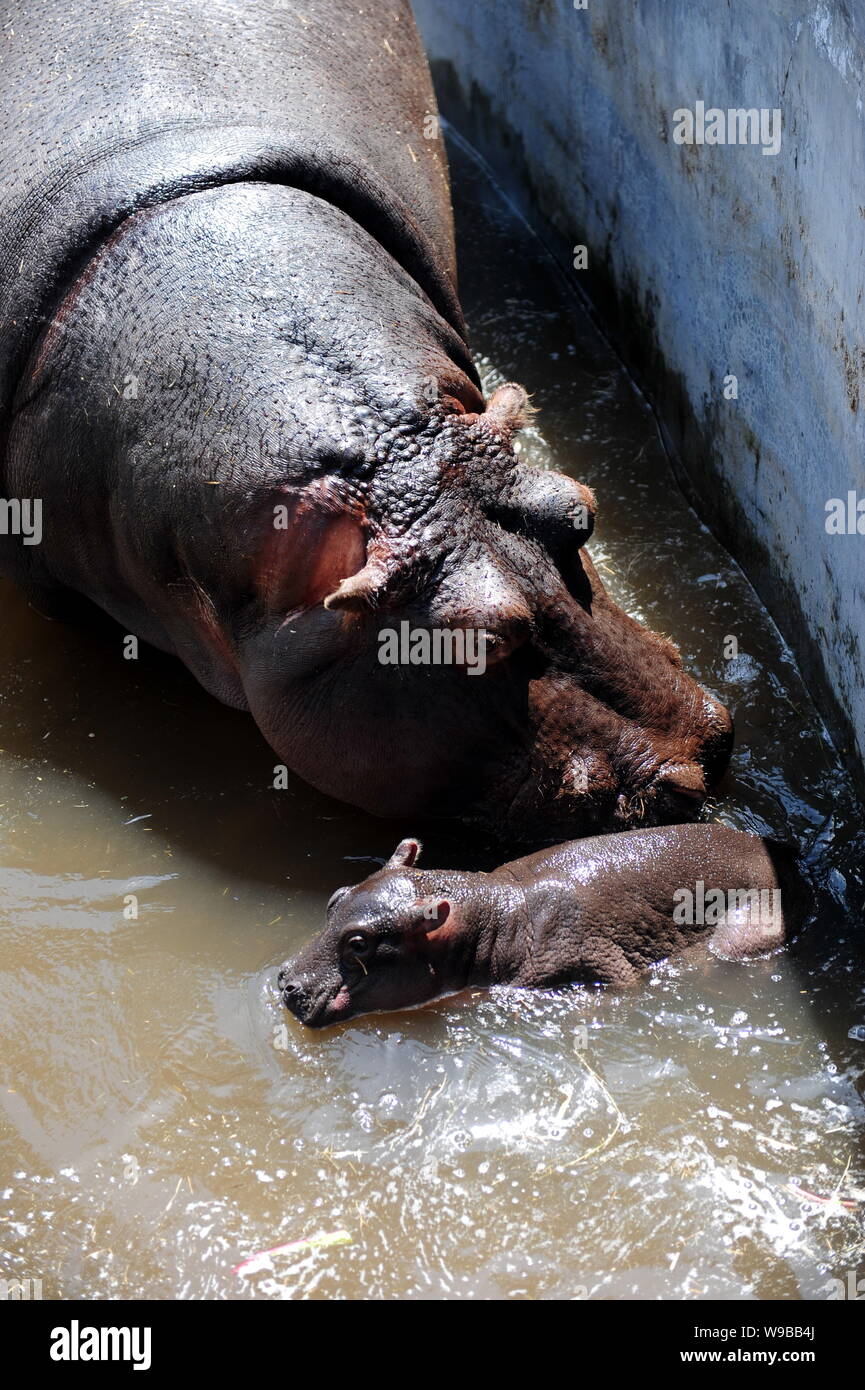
<point>708,159</point>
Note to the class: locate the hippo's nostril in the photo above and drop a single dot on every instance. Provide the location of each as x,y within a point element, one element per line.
<point>685,780</point>
<point>680,790</point>
<point>281,979</point>
<point>294,996</point>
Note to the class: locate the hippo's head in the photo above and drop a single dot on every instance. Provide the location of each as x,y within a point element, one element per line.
<point>387,944</point>
<point>445,646</point>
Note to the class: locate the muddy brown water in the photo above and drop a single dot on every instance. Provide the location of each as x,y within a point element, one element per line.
<point>163,1119</point>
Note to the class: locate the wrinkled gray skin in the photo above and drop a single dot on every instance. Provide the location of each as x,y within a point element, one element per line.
<point>227,287</point>
<point>599,911</point>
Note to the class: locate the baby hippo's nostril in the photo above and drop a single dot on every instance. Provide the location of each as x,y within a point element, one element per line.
<point>294,996</point>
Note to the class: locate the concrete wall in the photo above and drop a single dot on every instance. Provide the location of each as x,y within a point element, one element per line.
<point>707,260</point>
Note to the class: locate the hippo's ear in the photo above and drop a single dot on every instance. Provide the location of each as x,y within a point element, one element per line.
<point>358,591</point>
<point>405,855</point>
<point>508,409</point>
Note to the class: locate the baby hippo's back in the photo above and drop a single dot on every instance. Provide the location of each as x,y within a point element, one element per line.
<point>605,909</point>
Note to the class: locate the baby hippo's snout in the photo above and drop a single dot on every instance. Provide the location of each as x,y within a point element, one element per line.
<point>316,998</point>
<point>294,996</point>
<point>599,911</point>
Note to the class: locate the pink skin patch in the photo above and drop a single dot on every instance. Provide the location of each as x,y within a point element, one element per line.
<point>340,1001</point>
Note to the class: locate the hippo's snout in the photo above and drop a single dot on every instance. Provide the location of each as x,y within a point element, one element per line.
<point>294,996</point>
<point>314,993</point>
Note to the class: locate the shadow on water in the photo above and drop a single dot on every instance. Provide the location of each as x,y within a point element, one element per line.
<point>146,735</point>
<point>163,1119</point>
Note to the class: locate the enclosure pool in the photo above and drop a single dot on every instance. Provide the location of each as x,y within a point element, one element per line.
<point>164,1119</point>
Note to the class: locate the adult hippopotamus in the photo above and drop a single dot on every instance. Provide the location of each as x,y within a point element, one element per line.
<point>601,911</point>
<point>234,374</point>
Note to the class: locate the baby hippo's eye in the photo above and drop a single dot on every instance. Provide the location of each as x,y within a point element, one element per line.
<point>358,944</point>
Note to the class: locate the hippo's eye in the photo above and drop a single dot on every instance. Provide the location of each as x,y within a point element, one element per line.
<point>358,944</point>
<point>336,897</point>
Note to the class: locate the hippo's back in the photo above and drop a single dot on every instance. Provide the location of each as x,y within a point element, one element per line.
<point>110,106</point>
<point>640,871</point>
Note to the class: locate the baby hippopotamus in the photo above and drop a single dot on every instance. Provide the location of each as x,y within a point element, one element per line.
<point>598,911</point>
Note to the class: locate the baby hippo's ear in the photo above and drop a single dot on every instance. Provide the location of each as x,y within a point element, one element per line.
<point>405,855</point>
<point>429,914</point>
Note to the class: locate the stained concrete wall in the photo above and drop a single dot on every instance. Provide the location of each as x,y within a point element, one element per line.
<point>707,260</point>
